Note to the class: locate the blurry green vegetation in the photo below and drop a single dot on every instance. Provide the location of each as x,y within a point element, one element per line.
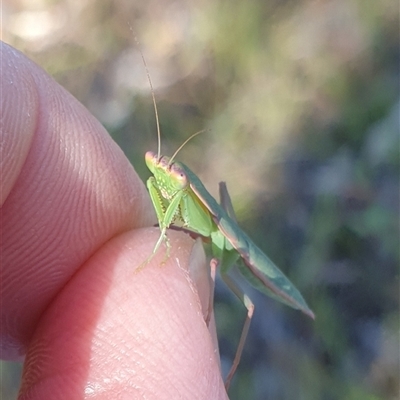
<point>10,377</point>
<point>303,105</point>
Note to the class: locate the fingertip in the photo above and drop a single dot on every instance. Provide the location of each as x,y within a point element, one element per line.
<point>116,332</point>
<point>19,107</point>
<point>67,189</point>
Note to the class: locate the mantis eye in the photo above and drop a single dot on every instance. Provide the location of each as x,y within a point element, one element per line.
<point>178,175</point>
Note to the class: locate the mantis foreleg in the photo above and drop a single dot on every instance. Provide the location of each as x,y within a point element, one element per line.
<point>165,214</point>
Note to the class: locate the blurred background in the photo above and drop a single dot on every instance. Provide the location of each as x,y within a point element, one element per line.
<point>301,99</point>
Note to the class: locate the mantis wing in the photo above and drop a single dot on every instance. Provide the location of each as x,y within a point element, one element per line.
<point>260,271</point>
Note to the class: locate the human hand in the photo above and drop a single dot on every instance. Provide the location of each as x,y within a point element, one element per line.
<point>75,222</point>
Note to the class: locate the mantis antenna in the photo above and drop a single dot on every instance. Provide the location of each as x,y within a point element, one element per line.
<point>156,111</point>
<point>153,97</point>
<point>183,144</point>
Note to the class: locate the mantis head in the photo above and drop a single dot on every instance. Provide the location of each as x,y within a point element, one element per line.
<point>170,176</point>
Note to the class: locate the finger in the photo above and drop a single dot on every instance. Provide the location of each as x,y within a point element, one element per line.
<point>114,333</point>
<point>67,189</point>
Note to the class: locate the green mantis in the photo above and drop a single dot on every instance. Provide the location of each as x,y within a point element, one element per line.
<point>179,197</point>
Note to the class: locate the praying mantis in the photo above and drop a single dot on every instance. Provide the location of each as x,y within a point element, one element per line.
<point>179,197</point>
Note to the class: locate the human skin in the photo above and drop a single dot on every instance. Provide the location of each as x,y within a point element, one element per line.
<point>75,222</point>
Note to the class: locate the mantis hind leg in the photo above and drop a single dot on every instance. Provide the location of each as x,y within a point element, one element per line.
<point>243,336</point>
<point>226,204</point>
<point>213,269</point>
